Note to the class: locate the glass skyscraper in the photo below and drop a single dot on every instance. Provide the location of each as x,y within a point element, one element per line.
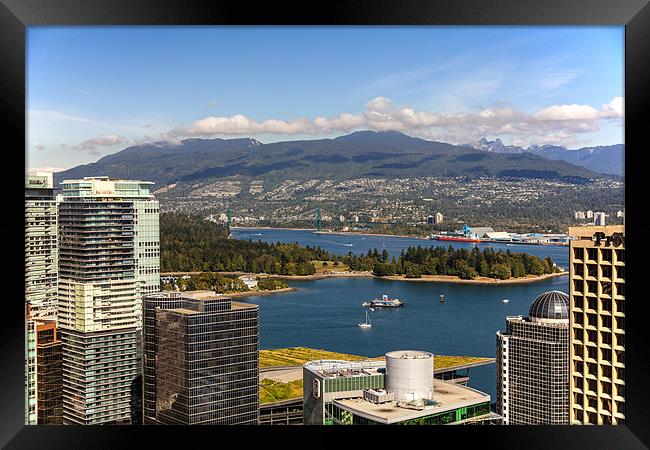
<point>533,364</point>
<point>108,259</point>
<point>201,361</point>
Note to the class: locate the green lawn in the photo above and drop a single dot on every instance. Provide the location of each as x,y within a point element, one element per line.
<point>329,267</point>
<point>274,391</point>
<point>296,356</point>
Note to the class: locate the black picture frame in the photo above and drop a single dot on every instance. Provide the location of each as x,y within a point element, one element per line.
<point>16,15</point>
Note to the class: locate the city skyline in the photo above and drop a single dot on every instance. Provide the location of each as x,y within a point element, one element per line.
<point>93,91</point>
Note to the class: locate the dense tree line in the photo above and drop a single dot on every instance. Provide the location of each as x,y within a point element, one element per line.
<point>188,243</point>
<point>418,261</point>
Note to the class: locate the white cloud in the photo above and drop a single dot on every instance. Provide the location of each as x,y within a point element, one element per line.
<point>568,112</point>
<point>108,140</point>
<point>556,124</point>
<point>615,108</point>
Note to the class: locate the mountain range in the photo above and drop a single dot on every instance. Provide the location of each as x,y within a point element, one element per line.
<point>607,159</point>
<point>383,154</point>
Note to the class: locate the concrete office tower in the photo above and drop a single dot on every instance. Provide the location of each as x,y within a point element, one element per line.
<point>43,376</point>
<point>533,364</point>
<point>597,314</point>
<point>201,362</point>
<point>40,245</point>
<point>108,258</point>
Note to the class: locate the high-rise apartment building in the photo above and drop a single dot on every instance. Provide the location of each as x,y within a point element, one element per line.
<point>597,316</point>
<point>533,364</point>
<point>31,415</point>
<point>40,274</point>
<point>201,360</point>
<point>438,218</point>
<point>40,245</point>
<point>44,372</point>
<point>599,219</point>
<point>108,259</point>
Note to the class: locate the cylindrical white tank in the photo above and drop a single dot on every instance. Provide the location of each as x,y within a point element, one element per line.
<point>409,374</point>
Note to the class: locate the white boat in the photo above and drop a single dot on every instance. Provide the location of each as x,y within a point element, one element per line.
<point>367,323</point>
<point>505,300</point>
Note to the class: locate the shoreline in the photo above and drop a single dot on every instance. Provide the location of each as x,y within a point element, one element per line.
<point>425,278</point>
<point>367,274</point>
<point>260,293</point>
<point>477,280</point>
<point>406,236</point>
<point>412,236</point>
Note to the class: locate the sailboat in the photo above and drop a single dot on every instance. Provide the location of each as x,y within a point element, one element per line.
<point>367,323</point>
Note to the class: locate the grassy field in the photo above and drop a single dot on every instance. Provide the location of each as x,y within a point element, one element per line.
<point>273,391</point>
<point>329,267</point>
<point>296,356</point>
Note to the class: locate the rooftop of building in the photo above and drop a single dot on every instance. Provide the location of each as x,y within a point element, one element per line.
<point>550,305</point>
<point>198,297</point>
<point>409,354</point>
<point>331,368</point>
<point>447,396</point>
<point>106,178</point>
<point>590,230</point>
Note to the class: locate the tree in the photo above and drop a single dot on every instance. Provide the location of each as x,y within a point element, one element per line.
<point>483,268</point>
<point>412,270</point>
<point>500,271</point>
<point>381,269</point>
<point>536,266</point>
<point>464,270</point>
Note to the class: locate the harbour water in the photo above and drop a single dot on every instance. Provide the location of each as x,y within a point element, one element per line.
<point>324,313</point>
<point>341,244</point>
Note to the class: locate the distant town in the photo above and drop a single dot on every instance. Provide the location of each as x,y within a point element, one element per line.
<point>403,206</point>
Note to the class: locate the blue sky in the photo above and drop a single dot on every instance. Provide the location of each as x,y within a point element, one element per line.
<point>92,91</point>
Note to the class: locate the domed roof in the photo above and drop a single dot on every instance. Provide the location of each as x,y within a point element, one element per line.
<point>550,305</point>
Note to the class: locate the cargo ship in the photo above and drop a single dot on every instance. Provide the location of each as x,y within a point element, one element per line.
<point>385,302</point>
<point>456,238</point>
<point>464,235</point>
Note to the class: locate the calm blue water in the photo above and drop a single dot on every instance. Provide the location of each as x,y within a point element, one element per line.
<point>324,313</point>
<point>357,244</point>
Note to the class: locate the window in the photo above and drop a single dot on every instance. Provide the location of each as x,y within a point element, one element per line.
<point>620,306</point>
<point>577,253</point>
<point>592,254</point>
<point>577,301</point>
<point>578,269</point>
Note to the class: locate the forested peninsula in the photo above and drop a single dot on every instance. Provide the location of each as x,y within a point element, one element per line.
<point>189,243</point>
